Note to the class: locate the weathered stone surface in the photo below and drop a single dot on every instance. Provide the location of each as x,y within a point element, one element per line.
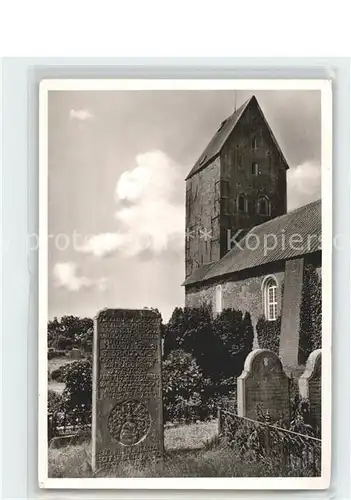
<point>310,384</point>
<point>291,311</point>
<point>243,291</point>
<point>127,391</point>
<point>264,384</point>
<point>212,192</point>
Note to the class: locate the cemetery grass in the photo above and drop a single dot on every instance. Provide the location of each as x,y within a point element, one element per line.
<point>190,451</point>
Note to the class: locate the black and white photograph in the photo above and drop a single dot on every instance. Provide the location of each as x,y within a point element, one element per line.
<point>182,333</point>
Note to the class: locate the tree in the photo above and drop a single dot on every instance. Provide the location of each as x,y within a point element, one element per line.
<point>55,331</point>
<point>235,331</point>
<point>191,330</point>
<point>70,331</point>
<point>174,331</point>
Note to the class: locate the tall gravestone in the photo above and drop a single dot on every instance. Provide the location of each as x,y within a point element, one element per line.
<point>263,383</point>
<point>127,425</point>
<point>310,384</point>
<point>291,312</point>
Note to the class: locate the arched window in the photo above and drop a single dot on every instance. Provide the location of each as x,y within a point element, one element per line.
<point>263,206</point>
<point>218,304</point>
<point>242,203</point>
<point>270,298</point>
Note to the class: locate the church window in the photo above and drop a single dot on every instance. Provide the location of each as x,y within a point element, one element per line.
<point>270,301</point>
<point>255,168</point>
<point>242,203</point>
<point>218,299</point>
<point>263,206</point>
<point>254,144</point>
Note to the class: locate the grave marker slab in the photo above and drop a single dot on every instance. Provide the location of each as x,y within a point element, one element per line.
<point>127,421</point>
<point>291,312</point>
<point>263,383</point>
<point>310,384</point>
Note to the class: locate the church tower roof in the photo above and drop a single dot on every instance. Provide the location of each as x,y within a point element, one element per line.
<point>225,129</point>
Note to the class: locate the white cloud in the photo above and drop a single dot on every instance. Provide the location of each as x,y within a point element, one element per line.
<point>81,114</point>
<point>66,276</point>
<point>148,215</point>
<point>304,184</point>
<point>103,244</point>
<point>102,284</point>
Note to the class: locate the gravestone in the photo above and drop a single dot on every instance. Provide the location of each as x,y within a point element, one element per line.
<point>127,425</point>
<point>310,384</point>
<point>263,383</point>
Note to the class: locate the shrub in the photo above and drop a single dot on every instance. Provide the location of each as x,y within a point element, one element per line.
<point>58,375</point>
<point>185,326</point>
<point>311,314</point>
<point>54,401</point>
<point>235,331</point>
<point>219,344</point>
<point>268,334</point>
<point>77,394</point>
<point>183,388</point>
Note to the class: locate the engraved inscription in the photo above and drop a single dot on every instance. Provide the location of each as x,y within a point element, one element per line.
<point>128,389</point>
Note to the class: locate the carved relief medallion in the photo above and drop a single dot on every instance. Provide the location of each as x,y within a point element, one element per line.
<point>129,422</point>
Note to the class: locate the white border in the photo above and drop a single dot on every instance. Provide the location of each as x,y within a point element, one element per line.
<point>325,86</point>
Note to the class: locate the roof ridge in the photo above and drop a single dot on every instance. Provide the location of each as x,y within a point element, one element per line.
<point>304,220</point>
<point>302,207</point>
<point>221,131</point>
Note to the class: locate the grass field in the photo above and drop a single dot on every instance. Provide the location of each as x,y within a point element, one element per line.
<point>190,437</point>
<point>190,451</point>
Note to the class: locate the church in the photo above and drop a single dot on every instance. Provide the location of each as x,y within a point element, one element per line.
<point>241,244</point>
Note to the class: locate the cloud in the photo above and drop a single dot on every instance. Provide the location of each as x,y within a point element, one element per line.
<point>81,114</point>
<point>149,214</point>
<point>303,184</point>
<point>66,276</point>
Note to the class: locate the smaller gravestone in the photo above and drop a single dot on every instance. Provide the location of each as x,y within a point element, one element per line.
<point>310,384</point>
<point>263,383</point>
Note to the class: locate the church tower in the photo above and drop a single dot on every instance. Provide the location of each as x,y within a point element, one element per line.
<point>237,183</point>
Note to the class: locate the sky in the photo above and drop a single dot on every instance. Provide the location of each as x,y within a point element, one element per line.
<point>117,161</point>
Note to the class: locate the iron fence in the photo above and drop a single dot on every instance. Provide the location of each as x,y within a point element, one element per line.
<point>66,423</point>
<point>298,454</point>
